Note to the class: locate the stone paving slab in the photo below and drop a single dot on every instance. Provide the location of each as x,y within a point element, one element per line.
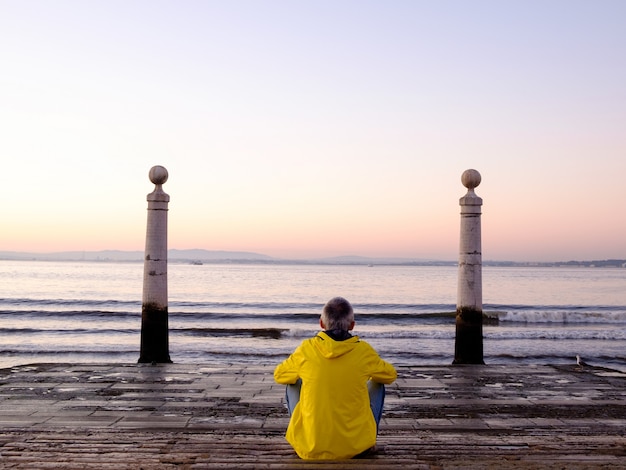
<point>211,416</point>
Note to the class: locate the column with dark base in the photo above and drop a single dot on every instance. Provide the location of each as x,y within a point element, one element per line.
<point>468,347</point>
<point>154,314</point>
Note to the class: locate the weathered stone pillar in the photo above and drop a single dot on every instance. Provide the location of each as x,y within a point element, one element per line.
<point>154,315</point>
<point>468,348</point>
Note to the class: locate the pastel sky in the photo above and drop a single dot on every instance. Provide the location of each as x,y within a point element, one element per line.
<point>304,129</point>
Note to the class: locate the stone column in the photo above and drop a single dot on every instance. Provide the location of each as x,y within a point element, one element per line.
<point>468,348</point>
<point>154,315</point>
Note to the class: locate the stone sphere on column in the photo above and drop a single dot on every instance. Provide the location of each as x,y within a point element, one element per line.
<point>470,179</point>
<point>158,174</point>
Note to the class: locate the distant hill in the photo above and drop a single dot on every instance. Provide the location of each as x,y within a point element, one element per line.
<point>215,255</point>
<point>116,255</point>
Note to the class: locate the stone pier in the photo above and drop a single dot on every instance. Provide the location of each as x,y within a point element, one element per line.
<point>468,347</point>
<point>212,416</point>
<point>154,314</point>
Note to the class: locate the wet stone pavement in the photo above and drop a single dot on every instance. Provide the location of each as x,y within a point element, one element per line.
<point>202,416</point>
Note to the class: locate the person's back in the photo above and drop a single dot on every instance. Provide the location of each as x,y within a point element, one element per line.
<point>331,416</point>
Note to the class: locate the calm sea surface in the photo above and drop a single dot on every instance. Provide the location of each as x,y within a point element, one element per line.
<point>91,312</point>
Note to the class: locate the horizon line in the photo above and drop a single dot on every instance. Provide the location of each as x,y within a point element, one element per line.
<point>255,257</point>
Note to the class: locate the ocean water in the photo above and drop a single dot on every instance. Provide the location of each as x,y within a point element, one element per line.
<point>223,313</point>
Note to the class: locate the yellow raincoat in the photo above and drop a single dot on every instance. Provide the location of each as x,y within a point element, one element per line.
<point>333,419</point>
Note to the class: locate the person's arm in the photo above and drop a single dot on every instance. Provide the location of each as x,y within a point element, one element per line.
<point>382,371</point>
<point>288,371</point>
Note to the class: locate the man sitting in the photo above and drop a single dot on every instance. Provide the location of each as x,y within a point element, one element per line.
<point>335,390</point>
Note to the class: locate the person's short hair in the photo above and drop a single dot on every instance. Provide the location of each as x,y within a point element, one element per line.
<point>337,314</point>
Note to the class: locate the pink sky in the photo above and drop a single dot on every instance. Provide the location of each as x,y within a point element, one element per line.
<point>315,128</point>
